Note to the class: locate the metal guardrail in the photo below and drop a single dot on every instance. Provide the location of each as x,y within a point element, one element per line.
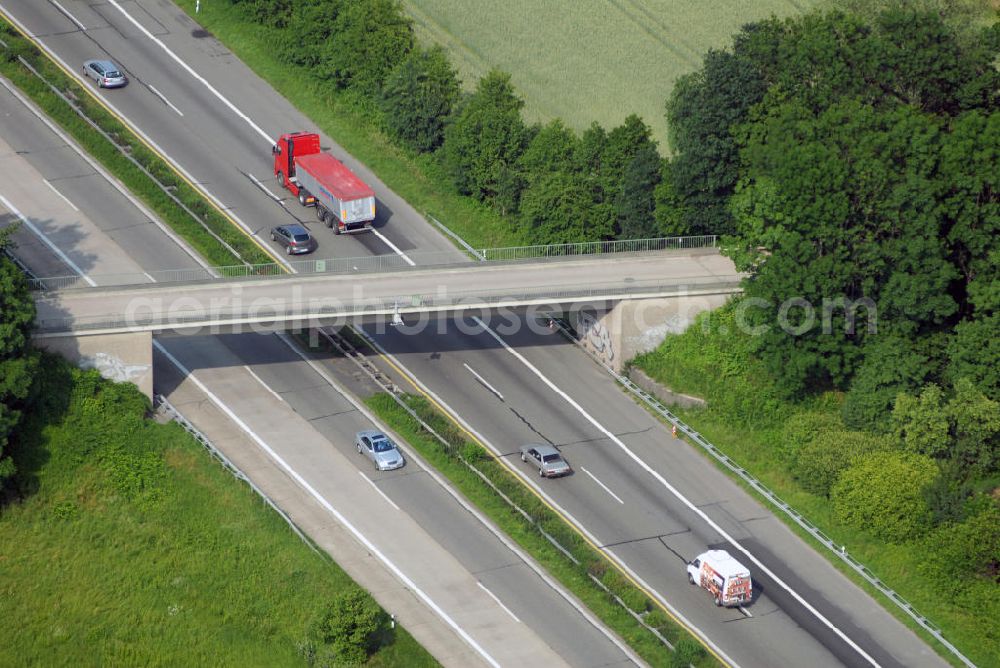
<point>379,263</point>
<point>309,313</point>
<point>839,551</point>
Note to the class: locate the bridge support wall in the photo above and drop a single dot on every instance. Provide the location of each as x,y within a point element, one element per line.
<point>631,327</point>
<point>118,357</point>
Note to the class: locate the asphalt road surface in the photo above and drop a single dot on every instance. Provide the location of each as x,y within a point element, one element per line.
<point>648,527</point>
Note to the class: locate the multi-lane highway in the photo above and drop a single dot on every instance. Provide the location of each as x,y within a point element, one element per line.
<point>461,587</point>
<point>647,499</point>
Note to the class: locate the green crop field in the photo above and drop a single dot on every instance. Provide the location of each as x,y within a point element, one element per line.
<point>586,61</point>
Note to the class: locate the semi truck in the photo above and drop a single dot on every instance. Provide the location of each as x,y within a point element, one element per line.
<point>725,578</point>
<point>342,200</point>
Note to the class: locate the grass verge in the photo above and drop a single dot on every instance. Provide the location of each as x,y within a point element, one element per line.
<point>576,577</point>
<point>110,155</point>
<point>126,545</point>
<point>416,178</point>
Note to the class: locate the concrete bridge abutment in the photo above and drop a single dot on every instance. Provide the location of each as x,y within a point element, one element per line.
<point>124,357</point>
<point>628,328</point>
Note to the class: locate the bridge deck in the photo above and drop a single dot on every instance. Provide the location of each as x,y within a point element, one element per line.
<point>312,298</point>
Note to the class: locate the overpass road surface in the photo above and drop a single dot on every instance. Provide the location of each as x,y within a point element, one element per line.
<point>220,149</point>
<point>310,299</point>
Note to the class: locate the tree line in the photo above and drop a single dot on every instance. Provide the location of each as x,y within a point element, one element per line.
<point>855,163</point>
<point>551,184</point>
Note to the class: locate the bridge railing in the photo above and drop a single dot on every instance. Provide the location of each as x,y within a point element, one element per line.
<point>376,263</point>
<point>599,248</point>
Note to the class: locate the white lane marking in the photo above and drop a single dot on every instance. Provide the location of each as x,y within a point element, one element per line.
<point>360,537</point>
<point>472,510</point>
<point>195,183</point>
<point>265,385</point>
<point>483,381</point>
<point>695,509</point>
<point>745,611</point>
<point>260,185</point>
<point>151,279</point>
<point>375,487</point>
<point>31,226</point>
<point>177,59</point>
<point>64,198</point>
<point>68,15</point>
<point>499,602</point>
<point>164,98</point>
<point>57,131</point>
<point>392,246</point>
<point>603,486</point>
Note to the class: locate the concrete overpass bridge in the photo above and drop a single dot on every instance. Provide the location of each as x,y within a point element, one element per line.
<point>319,299</point>
<point>621,304</point>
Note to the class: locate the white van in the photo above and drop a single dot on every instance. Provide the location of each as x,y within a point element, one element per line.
<point>727,579</point>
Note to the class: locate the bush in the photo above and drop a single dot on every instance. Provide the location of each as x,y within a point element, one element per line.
<point>883,493</point>
<point>820,462</point>
<point>687,652</point>
<point>959,554</point>
<point>348,630</point>
<point>802,428</point>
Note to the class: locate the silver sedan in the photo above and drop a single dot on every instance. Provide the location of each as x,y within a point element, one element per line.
<point>380,449</point>
<point>547,458</point>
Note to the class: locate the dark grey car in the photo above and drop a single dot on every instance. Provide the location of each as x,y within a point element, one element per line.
<point>295,238</point>
<point>380,449</point>
<point>549,461</point>
<point>105,73</point>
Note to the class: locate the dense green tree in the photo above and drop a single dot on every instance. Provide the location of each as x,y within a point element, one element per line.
<point>975,420</point>
<point>636,202</point>
<point>558,209</point>
<point>920,422</point>
<point>964,428</point>
<point>273,13</point>
<point>670,212</point>
<point>882,493</point>
<point>484,143</point>
<point>844,203</point>
<point>418,98</point>
<point>552,149</point>
<point>18,361</point>
<point>369,39</point>
<point>311,24</point>
<point>702,109</point>
<point>891,365</point>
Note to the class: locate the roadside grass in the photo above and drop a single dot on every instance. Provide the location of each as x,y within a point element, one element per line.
<point>139,183</point>
<point>744,419</point>
<point>575,577</point>
<point>128,546</point>
<point>587,62</point>
<point>416,178</point>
